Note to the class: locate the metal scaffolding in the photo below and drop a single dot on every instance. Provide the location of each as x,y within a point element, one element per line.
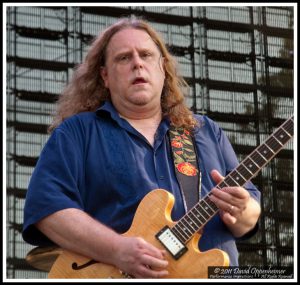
<point>238,62</point>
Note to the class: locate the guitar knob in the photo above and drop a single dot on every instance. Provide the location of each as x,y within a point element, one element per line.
<point>126,275</point>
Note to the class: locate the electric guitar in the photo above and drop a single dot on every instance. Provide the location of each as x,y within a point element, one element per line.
<point>152,221</point>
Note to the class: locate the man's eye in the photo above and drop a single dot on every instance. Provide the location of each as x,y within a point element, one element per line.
<point>146,55</point>
<point>123,58</point>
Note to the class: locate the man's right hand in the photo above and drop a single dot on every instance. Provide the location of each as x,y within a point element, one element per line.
<point>138,258</point>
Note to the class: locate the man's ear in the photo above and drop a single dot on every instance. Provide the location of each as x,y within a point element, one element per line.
<point>163,65</point>
<point>104,76</point>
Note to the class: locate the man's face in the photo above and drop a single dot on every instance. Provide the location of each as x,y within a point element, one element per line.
<point>133,71</point>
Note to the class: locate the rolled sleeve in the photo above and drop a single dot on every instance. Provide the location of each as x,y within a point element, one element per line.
<point>54,184</point>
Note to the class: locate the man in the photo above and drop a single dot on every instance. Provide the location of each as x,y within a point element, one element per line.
<point>110,147</point>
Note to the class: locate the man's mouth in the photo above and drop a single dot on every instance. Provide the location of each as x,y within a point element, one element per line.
<point>139,80</point>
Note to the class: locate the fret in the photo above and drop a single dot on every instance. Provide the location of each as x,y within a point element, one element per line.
<point>198,221</point>
<point>186,230</point>
<point>238,177</point>
<point>286,132</point>
<point>251,165</point>
<point>273,144</point>
<point>261,155</point>
<point>198,216</point>
<point>230,181</point>
<point>288,126</point>
<point>265,152</point>
<point>258,159</point>
<point>200,213</point>
<point>222,185</point>
<point>188,225</point>
<point>178,234</point>
<point>204,213</point>
<point>282,136</point>
<point>205,209</point>
<point>269,148</point>
<point>183,226</point>
<point>191,223</point>
<point>241,174</point>
<point>210,202</point>
<point>258,167</point>
<point>181,231</point>
<point>244,171</point>
<point>278,141</point>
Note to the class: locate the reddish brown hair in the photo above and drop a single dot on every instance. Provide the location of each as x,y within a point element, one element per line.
<point>86,90</point>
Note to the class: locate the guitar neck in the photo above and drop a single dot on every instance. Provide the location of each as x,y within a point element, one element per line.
<point>205,209</point>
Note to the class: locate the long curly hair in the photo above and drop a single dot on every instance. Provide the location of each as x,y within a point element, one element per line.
<point>86,90</point>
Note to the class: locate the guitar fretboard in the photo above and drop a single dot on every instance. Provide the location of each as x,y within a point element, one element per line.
<point>205,209</point>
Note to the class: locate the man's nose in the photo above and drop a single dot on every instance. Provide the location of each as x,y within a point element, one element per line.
<point>137,61</point>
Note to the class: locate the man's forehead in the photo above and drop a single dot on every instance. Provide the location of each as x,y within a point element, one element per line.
<point>130,37</point>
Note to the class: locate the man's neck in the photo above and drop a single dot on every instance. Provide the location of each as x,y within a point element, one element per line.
<point>146,124</point>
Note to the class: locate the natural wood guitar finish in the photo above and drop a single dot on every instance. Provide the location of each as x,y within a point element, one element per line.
<point>151,216</point>
<point>154,214</point>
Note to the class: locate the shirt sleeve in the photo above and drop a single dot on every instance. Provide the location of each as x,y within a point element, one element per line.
<point>54,184</point>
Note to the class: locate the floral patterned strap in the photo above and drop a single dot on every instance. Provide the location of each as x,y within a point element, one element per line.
<point>183,152</point>
<point>186,165</point>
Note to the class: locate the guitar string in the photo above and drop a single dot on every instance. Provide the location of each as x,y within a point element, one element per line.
<point>256,155</point>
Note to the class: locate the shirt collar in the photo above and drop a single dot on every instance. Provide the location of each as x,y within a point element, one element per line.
<point>108,108</point>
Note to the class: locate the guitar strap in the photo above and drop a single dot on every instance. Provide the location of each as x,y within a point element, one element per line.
<point>186,165</point>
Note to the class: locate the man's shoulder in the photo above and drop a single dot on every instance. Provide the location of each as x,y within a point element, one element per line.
<point>78,122</point>
<point>83,117</point>
<point>204,120</point>
<point>207,126</point>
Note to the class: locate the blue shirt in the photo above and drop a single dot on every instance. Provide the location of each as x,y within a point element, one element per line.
<point>97,162</point>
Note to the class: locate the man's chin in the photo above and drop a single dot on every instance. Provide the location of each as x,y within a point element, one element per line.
<point>140,100</point>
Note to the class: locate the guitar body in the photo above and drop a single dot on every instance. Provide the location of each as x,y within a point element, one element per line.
<point>153,213</point>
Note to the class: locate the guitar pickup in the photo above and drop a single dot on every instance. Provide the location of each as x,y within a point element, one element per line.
<point>171,242</point>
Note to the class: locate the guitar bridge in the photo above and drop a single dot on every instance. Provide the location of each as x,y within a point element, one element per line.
<point>171,242</point>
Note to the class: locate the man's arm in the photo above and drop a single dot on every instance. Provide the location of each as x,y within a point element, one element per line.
<point>74,230</point>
